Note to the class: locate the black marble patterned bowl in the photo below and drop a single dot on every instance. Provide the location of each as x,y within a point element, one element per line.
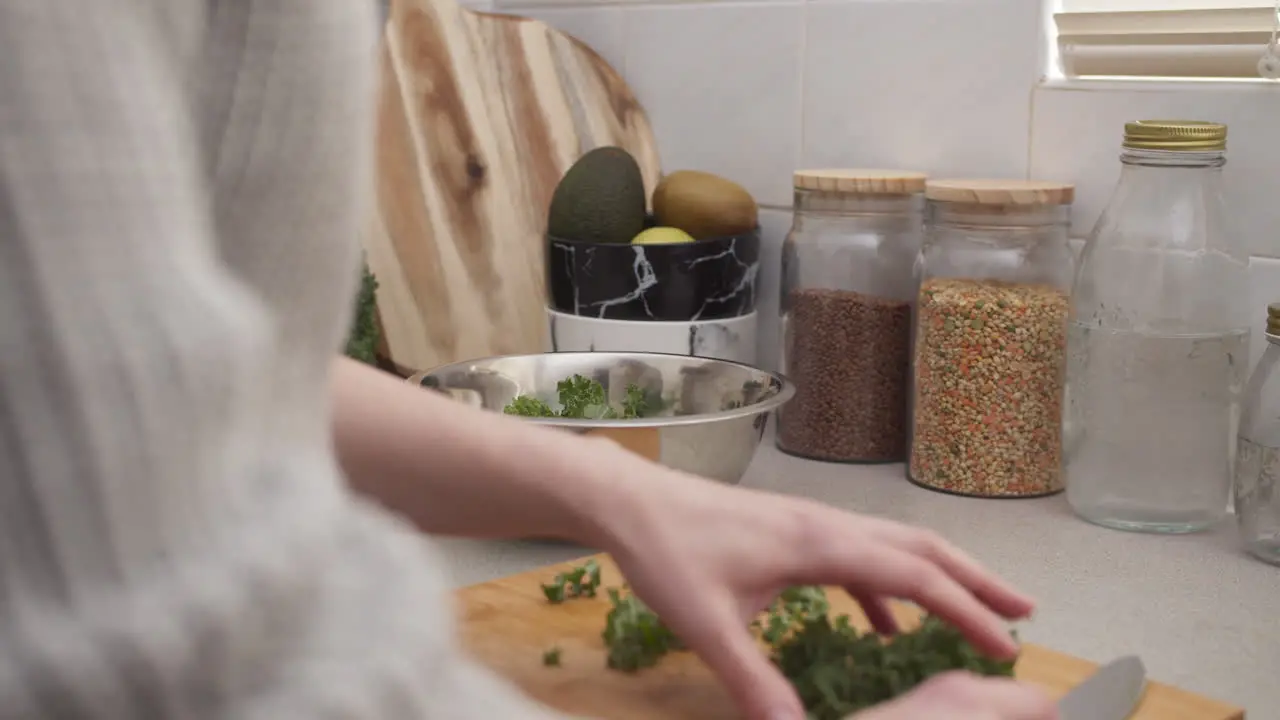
<point>705,280</point>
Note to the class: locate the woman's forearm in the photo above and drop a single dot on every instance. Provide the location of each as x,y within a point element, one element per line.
<point>455,470</point>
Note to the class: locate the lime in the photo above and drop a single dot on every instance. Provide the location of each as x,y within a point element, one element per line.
<point>662,236</point>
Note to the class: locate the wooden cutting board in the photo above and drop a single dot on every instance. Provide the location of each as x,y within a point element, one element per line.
<point>507,624</point>
<point>479,117</point>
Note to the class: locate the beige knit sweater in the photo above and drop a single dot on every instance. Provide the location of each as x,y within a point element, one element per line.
<point>180,196</point>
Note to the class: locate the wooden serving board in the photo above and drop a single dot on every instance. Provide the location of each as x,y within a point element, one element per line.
<point>479,117</point>
<point>507,624</point>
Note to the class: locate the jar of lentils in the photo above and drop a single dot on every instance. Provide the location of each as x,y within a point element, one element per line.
<point>847,294</point>
<point>990,345</point>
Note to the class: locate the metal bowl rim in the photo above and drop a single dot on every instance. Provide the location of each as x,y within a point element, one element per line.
<point>786,391</point>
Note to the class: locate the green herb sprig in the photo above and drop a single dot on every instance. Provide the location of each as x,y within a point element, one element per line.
<point>582,581</point>
<point>638,403</point>
<point>836,669</point>
<point>363,335</point>
<point>529,406</point>
<point>551,657</point>
<point>793,607</point>
<point>582,398</point>
<point>634,635</point>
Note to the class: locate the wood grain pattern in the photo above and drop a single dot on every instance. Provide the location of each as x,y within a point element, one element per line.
<point>508,624</point>
<point>860,182</point>
<point>1000,193</point>
<point>479,116</point>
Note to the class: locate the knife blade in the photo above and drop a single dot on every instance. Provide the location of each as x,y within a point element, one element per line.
<point>1111,693</point>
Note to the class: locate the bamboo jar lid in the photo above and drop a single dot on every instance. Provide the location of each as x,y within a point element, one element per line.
<point>861,182</point>
<point>1000,193</point>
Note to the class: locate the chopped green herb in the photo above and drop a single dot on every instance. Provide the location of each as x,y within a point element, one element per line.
<point>582,398</point>
<point>582,581</point>
<point>364,334</point>
<point>640,403</point>
<point>551,657</point>
<point>791,610</point>
<point>838,671</point>
<point>555,590</point>
<point>835,669</point>
<point>635,404</point>
<point>529,406</point>
<point>634,635</point>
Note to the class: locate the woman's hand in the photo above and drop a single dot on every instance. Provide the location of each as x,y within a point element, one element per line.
<point>961,696</point>
<point>708,557</point>
<point>705,556</point>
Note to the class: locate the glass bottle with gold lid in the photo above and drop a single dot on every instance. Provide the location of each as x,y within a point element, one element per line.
<point>1257,471</point>
<point>1158,339</point>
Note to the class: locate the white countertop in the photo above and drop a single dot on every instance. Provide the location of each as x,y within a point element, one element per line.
<point>1201,613</point>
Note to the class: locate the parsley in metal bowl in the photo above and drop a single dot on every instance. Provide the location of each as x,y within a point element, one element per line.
<point>695,414</point>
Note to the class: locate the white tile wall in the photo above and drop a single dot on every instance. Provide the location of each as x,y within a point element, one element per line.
<point>754,89</point>
<point>774,225</point>
<point>599,27</point>
<point>939,85</point>
<point>1076,136</point>
<point>721,84</point>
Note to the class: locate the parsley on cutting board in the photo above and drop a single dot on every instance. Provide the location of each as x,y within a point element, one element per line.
<point>835,668</point>
<point>579,582</point>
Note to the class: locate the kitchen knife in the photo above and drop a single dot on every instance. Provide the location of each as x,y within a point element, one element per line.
<point>1111,693</point>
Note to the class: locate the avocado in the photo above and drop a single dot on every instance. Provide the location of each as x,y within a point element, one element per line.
<point>704,205</point>
<point>600,199</point>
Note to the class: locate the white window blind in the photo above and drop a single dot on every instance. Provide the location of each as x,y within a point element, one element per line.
<point>1165,38</point>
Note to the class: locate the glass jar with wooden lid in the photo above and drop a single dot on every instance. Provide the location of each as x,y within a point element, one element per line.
<point>847,291</point>
<point>990,344</point>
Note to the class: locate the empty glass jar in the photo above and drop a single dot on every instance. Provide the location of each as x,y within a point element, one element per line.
<point>990,342</point>
<point>848,287</point>
<point>1159,339</point>
<point>1258,452</point>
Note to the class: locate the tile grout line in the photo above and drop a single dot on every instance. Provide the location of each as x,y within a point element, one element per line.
<point>1031,127</point>
<point>626,59</point>
<point>804,72</point>
<point>517,7</point>
<point>1044,51</point>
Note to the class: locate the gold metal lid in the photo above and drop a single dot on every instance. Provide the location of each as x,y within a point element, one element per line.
<point>1273,319</point>
<point>860,182</point>
<point>1000,193</point>
<point>1175,135</point>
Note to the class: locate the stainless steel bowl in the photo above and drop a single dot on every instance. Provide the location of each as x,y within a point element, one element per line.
<point>715,411</point>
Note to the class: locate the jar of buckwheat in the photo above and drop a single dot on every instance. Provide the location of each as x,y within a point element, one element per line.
<point>848,286</point>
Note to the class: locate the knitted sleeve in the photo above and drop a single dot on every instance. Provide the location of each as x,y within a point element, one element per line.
<point>158,557</point>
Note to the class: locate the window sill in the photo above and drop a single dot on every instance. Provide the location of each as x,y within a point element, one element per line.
<point>1196,85</point>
